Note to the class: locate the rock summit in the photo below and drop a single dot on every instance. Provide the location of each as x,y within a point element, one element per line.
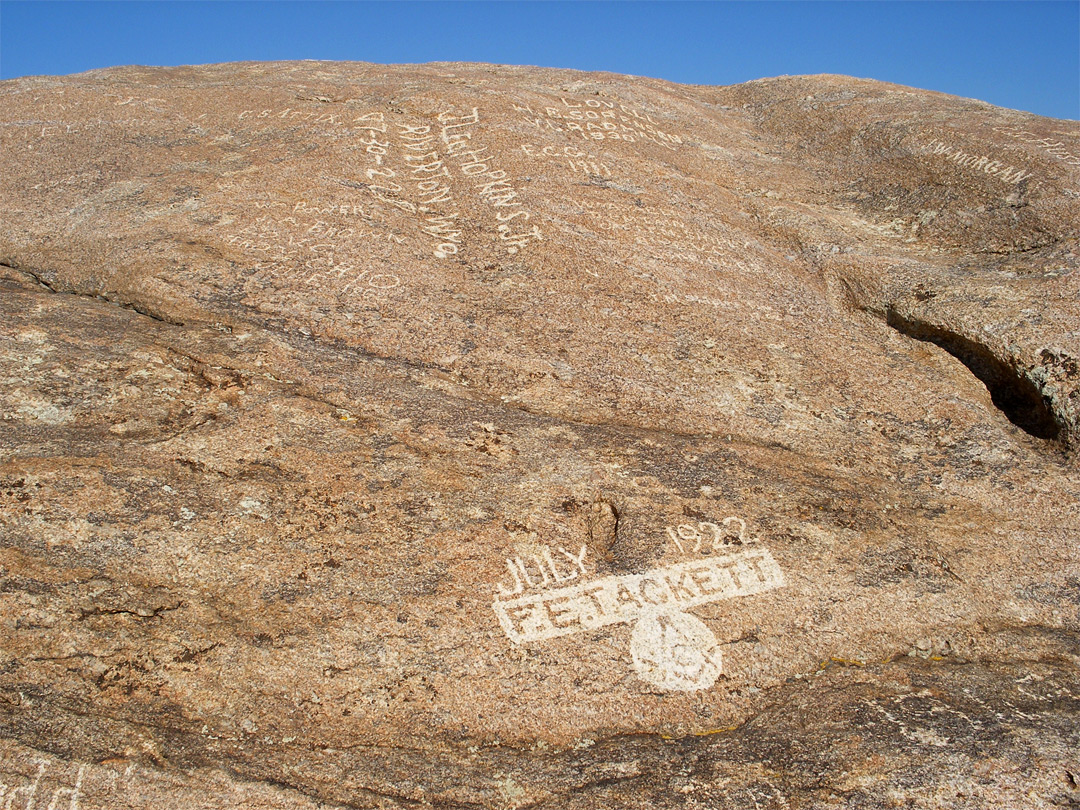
<point>466,436</point>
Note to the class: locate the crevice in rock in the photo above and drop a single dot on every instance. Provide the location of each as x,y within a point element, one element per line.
<point>139,613</point>
<point>31,275</point>
<point>1012,392</point>
<point>141,310</point>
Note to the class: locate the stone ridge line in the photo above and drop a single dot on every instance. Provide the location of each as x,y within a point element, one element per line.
<point>626,598</point>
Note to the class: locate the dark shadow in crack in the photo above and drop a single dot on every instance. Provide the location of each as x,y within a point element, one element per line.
<point>1014,394</point>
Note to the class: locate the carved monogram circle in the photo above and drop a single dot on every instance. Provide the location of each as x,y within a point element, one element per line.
<point>675,652</point>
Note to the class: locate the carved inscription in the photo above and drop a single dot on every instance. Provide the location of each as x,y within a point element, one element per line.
<point>359,124</point>
<point>313,241</point>
<point>541,570</point>
<point>421,167</point>
<point>426,181</point>
<point>569,156</point>
<point>303,241</point>
<point>431,177</point>
<point>676,652</point>
<point>597,119</point>
<point>417,173</point>
<point>707,537</point>
<point>490,183</point>
<point>976,162</point>
<point>32,780</point>
<point>669,648</point>
<point>619,599</point>
<point>38,791</point>
<point>1053,147</point>
<point>675,236</point>
<point>657,235</point>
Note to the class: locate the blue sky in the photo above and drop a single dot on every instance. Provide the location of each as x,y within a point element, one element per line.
<point>1024,55</point>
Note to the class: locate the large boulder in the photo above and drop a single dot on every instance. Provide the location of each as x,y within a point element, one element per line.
<point>473,436</point>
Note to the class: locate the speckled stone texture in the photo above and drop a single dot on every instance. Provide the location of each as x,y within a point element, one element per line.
<point>488,437</point>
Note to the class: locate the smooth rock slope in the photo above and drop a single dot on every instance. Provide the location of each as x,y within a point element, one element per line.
<point>474,436</point>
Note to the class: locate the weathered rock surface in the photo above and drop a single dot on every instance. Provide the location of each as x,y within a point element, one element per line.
<point>471,436</point>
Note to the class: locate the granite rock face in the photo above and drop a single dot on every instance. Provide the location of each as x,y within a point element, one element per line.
<point>472,436</point>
